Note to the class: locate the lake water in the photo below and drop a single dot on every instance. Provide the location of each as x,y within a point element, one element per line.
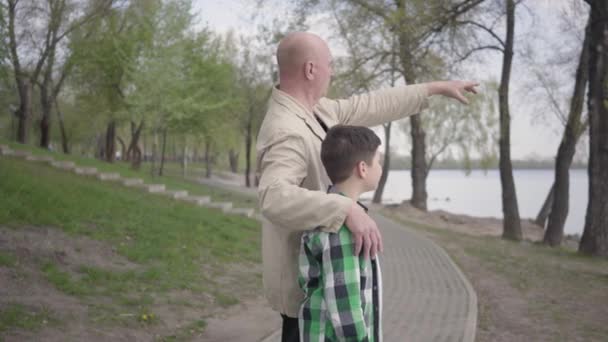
<point>479,193</point>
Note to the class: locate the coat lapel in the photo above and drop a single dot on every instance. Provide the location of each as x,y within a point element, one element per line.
<point>302,113</point>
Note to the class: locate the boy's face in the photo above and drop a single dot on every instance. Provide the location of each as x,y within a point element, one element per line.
<point>374,171</point>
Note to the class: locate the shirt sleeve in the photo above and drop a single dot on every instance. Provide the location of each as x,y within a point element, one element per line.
<point>342,288</point>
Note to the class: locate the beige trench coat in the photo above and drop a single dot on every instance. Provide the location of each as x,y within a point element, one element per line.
<point>293,182</point>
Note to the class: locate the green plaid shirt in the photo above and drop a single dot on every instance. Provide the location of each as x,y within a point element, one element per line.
<point>342,290</point>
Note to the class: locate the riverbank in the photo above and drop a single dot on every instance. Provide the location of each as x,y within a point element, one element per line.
<point>525,291</point>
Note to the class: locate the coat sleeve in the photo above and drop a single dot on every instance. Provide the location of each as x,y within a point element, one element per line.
<point>377,107</point>
<point>284,166</point>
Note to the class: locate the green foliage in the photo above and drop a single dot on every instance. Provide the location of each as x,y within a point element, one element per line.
<point>465,132</point>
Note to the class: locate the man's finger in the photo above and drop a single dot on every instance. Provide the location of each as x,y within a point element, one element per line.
<point>461,98</point>
<point>366,246</point>
<point>380,244</point>
<point>358,242</point>
<point>374,248</point>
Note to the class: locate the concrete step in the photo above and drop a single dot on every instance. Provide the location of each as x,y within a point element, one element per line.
<point>109,176</point>
<point>224,206</point>
<point>6,152</point>
<point>176,193</point>
<point>40,158</point>
<point>21,153</point>
<point>132,182</point>
<point>153,188</point>
<point>199,200</point>
<point>88,171</point>
<point>64,165</point>
<point>247,212</point>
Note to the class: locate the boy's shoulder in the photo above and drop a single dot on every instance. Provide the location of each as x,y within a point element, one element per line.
<point>318,235</point>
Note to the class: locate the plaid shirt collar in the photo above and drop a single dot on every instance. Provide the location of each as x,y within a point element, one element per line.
<point>332,190</point>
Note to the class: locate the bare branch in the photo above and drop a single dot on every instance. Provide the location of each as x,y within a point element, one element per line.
<point>485,47</point>
<point>483,27</point>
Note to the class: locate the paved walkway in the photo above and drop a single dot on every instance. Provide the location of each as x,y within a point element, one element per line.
<point>426,296</point>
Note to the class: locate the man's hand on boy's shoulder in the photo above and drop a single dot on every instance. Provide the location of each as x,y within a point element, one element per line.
<point>365,232</point>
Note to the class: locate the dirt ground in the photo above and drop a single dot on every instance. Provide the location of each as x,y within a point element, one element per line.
<point>75,318</point>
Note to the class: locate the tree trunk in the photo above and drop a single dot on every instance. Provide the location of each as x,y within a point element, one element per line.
<point>162,153</point>
<point>64,137</point>
<point>24,112</point>
<point>543,214</point>
<point>419,164</point>
<point>134,153</point>
<point>207,158</point>
<point>248,146</point>
<point>185,159</point>
<point>233,158</point>
<point>511,221</point>
<point>46,92</point>
<point>419,167</point>
<point>110,150</point>
<point>154,153</point>
<point>386,165</point>
<point>595,235</point>
<point>22,81</point>
<point>45,120</point>
<point>565,154</point>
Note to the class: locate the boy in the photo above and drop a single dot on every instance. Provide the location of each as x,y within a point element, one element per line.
<point>342,290</point>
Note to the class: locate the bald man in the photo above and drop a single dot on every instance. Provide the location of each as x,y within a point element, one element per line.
<point>293,183</point>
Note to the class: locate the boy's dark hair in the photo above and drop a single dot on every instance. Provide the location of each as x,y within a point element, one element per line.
<point>344,147</point>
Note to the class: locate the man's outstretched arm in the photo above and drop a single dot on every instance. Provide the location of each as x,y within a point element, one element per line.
<point>384,105</point>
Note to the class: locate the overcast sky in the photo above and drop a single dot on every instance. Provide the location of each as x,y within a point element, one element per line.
<point>532,136</point>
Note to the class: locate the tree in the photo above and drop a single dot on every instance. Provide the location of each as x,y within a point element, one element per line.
<point>567,148</point>
<point>33,50</point>
<point>60,24</point>
<point>551,82</point>
<point>482,24</point>
<point>595,235</point>
<point>254,77</point>
<point>103,60</point>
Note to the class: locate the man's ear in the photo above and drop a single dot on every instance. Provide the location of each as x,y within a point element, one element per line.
<point>308,70</point>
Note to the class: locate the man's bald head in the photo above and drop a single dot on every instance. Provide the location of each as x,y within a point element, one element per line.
<point>305,66</point>
<point>298,48</point>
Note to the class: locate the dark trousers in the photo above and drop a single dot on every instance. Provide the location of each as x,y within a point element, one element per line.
<point>290,332</point>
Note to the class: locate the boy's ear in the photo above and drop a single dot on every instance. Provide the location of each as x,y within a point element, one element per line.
<point>361,169</point>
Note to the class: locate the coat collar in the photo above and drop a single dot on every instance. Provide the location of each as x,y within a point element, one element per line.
<point>293,106</point>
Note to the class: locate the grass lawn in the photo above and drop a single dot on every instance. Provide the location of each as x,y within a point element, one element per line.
<point>179,255</point>
<point>526,291</point>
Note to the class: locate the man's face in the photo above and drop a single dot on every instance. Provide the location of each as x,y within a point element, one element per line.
<point>324,71</point>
